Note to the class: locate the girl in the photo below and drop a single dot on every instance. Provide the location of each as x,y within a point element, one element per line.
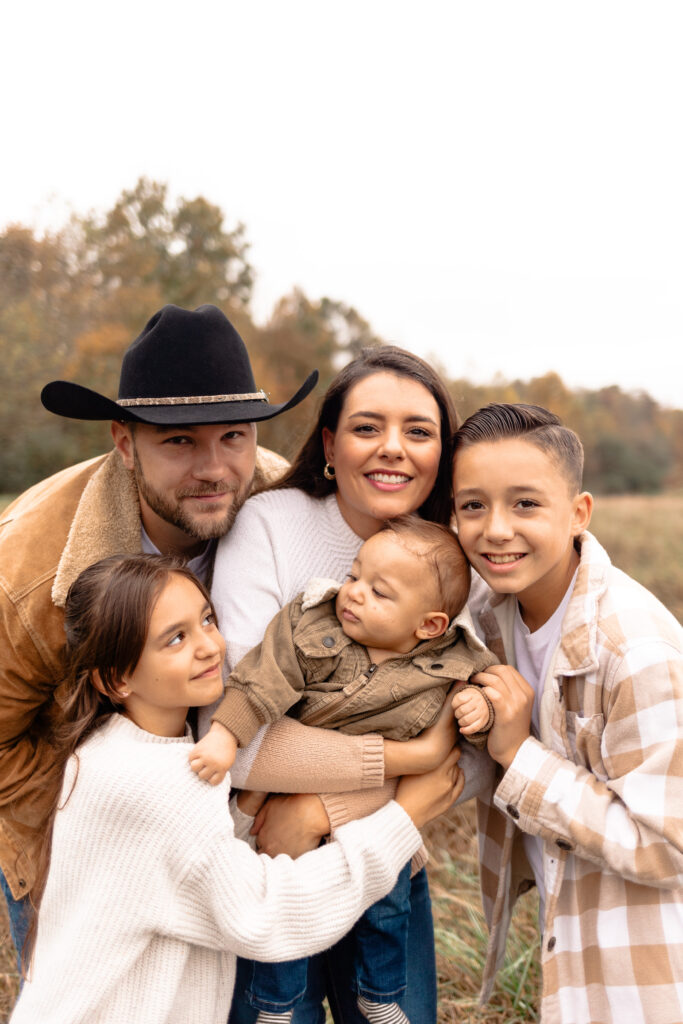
<point>149,893</point>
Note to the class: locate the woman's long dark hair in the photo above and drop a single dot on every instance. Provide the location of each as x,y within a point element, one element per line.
<point>106,620</point>
<point>306,471</point>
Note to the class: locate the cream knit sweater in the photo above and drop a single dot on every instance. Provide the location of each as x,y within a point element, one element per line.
<point>150,895</point>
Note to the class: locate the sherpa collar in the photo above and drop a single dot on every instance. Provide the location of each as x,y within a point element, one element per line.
<point>107,522</point>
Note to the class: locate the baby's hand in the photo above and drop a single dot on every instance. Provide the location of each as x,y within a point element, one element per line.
<point>213,756</point>
<point>471,710</point>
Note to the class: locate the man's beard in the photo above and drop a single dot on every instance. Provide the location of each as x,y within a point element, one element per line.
<point>198,526</point>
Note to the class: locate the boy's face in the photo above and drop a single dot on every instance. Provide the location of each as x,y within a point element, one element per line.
<point>388,596</point>
<point>517,521</point>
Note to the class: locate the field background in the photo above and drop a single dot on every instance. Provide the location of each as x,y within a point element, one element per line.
<point>643,536</point>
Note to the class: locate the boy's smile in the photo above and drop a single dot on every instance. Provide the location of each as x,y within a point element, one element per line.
<point>517,521</point>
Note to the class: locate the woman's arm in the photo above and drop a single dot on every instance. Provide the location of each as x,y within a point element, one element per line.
<point>289,757</point>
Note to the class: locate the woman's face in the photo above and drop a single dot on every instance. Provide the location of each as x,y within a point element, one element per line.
<point>385,450</point>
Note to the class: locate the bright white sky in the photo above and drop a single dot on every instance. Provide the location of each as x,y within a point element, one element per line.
<point>497,184</point>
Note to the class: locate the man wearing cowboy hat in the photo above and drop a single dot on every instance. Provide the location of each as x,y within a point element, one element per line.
<point>185,459</point>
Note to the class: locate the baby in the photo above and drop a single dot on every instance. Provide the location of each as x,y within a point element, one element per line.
<point>378,654</point>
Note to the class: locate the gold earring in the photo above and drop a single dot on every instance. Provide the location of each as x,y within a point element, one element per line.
<point>328,472</point>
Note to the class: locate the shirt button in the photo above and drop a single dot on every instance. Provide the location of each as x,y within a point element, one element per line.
<point>512,811</point>
<point>328,641</point>
<point>551,944</point>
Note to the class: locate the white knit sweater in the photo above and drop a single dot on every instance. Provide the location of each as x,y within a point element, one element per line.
<point>150,895</point>
<point>280,540</point>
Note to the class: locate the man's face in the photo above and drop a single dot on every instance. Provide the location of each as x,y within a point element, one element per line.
<point>192,480</point>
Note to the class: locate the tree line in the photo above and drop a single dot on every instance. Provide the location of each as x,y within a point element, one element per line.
<point>73,299</point>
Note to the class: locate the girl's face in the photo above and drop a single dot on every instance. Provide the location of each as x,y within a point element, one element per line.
<point>385,450</point>
<point>181,662</point>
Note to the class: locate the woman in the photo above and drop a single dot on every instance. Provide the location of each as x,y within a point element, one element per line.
<point>379,449</point>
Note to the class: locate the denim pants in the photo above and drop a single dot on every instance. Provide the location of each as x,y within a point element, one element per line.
<point>334,974</point>
<point>19,912</point>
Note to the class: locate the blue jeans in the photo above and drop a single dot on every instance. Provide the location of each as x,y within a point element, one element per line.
<point>19,912</point>
<point>333,974</point>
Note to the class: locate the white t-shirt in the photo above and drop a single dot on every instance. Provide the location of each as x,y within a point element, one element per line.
<point>533,653</point>
<point>199,565</point>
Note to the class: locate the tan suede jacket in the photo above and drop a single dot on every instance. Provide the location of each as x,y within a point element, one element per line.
<point>306,659</point>
<point>47,537</point>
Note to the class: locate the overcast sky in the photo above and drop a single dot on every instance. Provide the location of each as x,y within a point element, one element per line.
<point>499,184</point>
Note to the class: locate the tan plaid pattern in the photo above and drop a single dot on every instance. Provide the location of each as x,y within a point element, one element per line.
<point>604,789</point>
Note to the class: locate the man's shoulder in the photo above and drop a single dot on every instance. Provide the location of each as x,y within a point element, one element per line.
<point>35,527</point>
<point>63,485</point>
<point>269,467</point>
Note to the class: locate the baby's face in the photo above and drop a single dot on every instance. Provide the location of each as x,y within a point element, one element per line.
<point>388,594</point>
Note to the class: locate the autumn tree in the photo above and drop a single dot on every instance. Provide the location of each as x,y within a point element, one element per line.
<point>302,335</point>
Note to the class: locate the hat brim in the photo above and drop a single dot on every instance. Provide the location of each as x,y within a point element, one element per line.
<point>76,402</point>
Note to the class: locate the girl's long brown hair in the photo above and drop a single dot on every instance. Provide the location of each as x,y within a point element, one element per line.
<point>106,620</point>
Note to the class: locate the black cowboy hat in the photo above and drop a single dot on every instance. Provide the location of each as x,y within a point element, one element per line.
<point>185,367</point>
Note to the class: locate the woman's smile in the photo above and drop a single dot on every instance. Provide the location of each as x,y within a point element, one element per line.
<point>388,481</point>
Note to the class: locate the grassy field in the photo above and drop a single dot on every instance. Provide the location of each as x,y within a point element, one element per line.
<point>643,536</point>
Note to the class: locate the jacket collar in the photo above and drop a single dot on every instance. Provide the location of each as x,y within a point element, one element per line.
<point>107,522</point>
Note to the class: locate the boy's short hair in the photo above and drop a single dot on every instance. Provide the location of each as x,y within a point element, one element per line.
<point>499,421</point>
<point>443,554</point>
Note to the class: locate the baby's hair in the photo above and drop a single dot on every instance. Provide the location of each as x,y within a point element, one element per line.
<point>441,550</point>
<point>538,426</point>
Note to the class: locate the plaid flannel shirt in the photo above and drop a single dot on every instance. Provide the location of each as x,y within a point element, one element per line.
<point>603,787</point>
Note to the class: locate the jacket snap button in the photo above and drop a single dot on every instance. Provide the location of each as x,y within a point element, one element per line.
<point>328,641</point>
<point>512,811</point>
<point>22,883</point>
<point>551,944</point>
<point>563,844</point>
<point>437,664</point>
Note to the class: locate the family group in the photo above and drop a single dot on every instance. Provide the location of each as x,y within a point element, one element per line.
<point>233,688</point>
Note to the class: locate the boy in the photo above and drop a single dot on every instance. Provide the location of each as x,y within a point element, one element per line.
<point>588,729</point>
<point>380,656</point>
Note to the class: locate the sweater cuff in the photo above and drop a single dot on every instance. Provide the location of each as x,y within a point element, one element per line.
<point>237,715</point>
<point>373,761</point>
<point>335,808</point>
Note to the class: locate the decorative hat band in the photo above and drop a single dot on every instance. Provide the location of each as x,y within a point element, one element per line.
<point>252,396</point>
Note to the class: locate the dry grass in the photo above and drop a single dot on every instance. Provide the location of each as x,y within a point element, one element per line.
<point>9,979</point>
<point>461,935</point>
<point>643,536</point>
